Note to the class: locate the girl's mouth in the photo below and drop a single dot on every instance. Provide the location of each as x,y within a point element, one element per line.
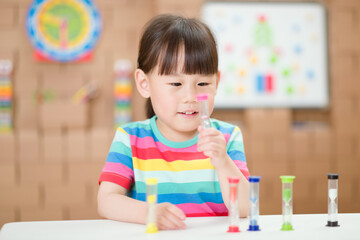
<point>188,114</point>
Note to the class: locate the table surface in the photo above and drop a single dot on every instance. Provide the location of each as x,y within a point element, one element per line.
<point>308,226</point>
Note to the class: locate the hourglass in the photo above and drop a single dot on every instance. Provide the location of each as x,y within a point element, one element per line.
<point>151,198</point>
<point>254,203</point>
<point>204,110</point>
<point>287,207</point>
<point>332,200</point>
<point>233,204</point>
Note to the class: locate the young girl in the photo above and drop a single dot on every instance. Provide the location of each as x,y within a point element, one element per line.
<point>177,60</point>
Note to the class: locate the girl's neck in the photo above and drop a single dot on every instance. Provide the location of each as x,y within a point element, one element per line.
<point>174,135</point>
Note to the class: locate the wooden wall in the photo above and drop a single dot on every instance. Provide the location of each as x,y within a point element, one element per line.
<point>50,163</point>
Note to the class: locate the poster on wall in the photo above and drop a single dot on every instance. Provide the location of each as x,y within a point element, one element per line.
<point>63,30</point>
<point>270,54</point>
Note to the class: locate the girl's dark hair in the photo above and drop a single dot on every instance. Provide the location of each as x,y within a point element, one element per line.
<point>163,38</point>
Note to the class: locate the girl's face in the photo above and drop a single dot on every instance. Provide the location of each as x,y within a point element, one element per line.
<point>174,101</point>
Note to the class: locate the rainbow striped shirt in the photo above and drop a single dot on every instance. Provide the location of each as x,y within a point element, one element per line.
<point>185,176</point>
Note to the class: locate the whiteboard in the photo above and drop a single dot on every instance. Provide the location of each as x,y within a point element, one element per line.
<point>270,54</point>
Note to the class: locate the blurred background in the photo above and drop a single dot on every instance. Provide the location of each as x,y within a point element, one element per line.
<point>52,154</point>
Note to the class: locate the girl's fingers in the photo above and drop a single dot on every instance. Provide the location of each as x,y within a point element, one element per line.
<point>207,131</point>
<point>171,217</point>
<point>178,212</point>
<point>165,224</point>
<point>176,216</point>
<point>170,221</point>
<point>205,146</point>
<point>175,222</point>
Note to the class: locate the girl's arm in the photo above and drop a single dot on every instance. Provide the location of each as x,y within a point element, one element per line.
<point>112,200</point>
<point>213,144</point>
<point>114,204</point>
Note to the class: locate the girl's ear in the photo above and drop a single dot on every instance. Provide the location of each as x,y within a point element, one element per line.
<point>217,79</point>
<point>142,83</point>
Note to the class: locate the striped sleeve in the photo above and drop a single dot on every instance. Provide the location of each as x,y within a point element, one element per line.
<point>119,167</point>
<point>236,151</point>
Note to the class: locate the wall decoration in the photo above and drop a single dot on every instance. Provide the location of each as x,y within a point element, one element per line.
<point>6,93</point>
<point>47,95</point>
<point>84,94</point>
<point>122,92</point>
<point>63,30</point>
<point>270,54</point>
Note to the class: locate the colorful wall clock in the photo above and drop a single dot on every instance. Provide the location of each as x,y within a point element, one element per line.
<point>63,30</point>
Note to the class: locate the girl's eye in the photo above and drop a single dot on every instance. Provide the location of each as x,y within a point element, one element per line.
<point>203,84</point>
<point>176,84</point>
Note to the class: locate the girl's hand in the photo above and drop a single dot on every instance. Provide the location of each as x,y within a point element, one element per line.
<point>168,217</point>
<point>213,144</point>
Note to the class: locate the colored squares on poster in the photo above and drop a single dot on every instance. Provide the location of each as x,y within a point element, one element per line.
<point>229,89</point>
<point>309,17</point>
<point>310,74</point>
<point>298,49</point>
<point>253,59</point>
<point>263,34</point>
<point>264,83</point>
<point>289,90</point>
<point>260,84</point>
<point>273,58</point>
<point>241,89</point>
<point>237,19</point>
<point>296,28</point>
<point>302,89</point>
<point>262,18</point>
<point>269,83</point>
<point>314,37</point>
<point>286,72</point>
<point>231,67</point>
<point>242,72</point>
<point>229,48</point>
<point>295,67</point>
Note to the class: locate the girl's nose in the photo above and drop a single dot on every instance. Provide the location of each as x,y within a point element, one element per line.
<point>190,95</point>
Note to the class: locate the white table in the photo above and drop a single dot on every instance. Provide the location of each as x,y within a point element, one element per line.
<point>309,226</point>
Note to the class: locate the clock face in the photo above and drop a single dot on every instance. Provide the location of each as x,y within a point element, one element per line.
<point>63,30</point>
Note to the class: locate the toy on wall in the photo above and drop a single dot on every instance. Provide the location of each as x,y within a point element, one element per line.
<point>63,30</point>
<point>6,93</point>
<point>85,94</point>
<point>47,95</point>
<point>122,91</point>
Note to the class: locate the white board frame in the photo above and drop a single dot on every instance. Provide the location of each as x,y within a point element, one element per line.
<point>309,80</point>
